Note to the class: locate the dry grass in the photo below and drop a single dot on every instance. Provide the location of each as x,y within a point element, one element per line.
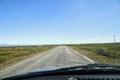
<point>103,53</point>
<point>10,55</point>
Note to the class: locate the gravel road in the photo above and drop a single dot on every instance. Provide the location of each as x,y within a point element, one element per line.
<point>60,56</point>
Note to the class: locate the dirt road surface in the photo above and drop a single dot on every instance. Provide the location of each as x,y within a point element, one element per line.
<point>60,56</point>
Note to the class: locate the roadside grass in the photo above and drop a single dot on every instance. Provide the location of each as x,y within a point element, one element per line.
<point>12,54</point>
<point>108,53</point>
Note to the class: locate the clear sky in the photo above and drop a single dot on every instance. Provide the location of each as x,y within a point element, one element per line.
<point>58,21</point>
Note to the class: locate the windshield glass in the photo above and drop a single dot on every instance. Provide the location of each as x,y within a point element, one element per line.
<point>40,35</point>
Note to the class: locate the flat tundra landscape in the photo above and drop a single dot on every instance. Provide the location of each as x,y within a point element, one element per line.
<point>59,56</point>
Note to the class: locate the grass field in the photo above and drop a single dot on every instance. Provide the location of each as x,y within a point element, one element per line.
<point>103,53</point>
<point>9,55</point>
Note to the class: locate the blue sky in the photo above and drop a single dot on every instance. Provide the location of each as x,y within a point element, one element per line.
<point>58,21</point>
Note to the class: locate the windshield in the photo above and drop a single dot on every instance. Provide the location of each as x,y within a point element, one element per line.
<point>40,35</point>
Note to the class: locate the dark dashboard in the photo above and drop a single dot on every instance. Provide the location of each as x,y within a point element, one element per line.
<point>77,77</point>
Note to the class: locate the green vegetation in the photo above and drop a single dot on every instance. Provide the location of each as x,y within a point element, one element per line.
<point>9,55</point>
<point>104,53</point>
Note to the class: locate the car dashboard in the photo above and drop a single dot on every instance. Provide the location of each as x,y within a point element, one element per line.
<point>76,77</point>
<point>91,72</point>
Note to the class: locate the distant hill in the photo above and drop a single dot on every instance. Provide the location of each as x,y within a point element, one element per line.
<point>7,45</point>
<point>2,45</point>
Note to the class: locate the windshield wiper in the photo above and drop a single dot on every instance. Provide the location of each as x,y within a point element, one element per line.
<point>75,70</point>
